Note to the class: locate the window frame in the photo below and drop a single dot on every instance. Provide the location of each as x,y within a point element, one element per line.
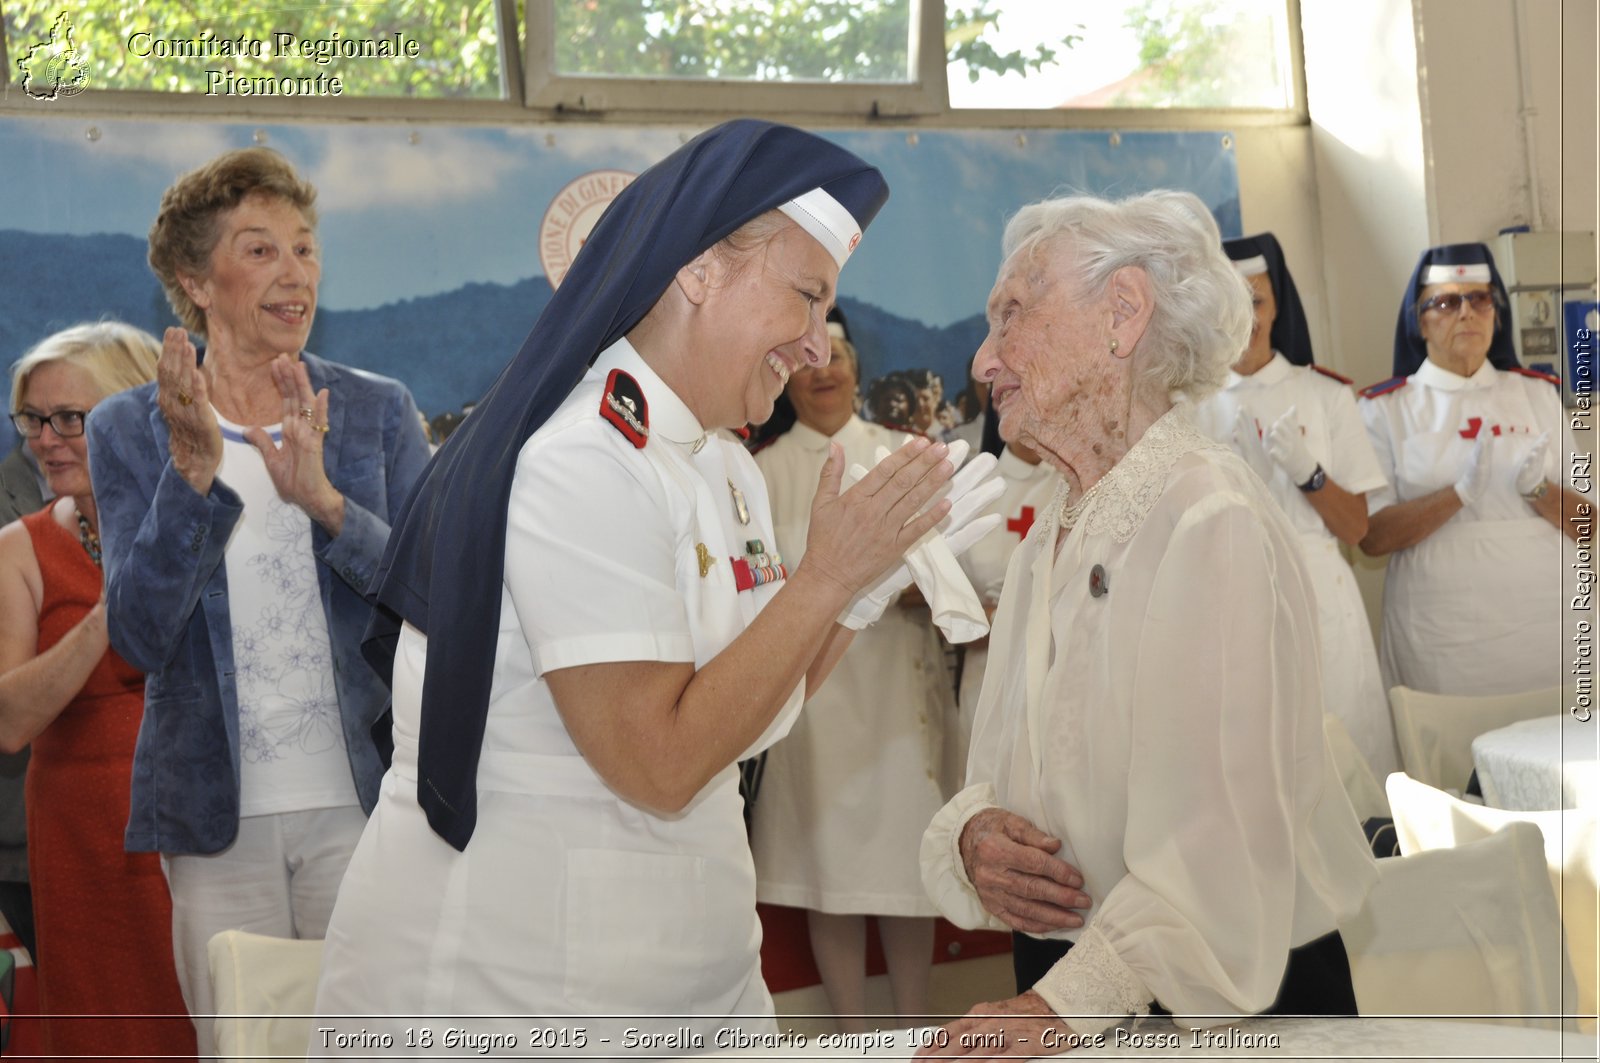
<point>534,93</point>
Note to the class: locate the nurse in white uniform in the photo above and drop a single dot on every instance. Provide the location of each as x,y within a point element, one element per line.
<point>561,832</point>
<point>869,739</point>
<point>1474,446</point>
<point>1295,423</point>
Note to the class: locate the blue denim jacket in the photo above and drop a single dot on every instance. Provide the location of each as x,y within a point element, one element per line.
<point>167,595</point>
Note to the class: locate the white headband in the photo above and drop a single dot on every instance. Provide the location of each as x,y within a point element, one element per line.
<point>836,330</point>
<point>1475,273</point>
<point>826,219</point>
<point>1251,267</point>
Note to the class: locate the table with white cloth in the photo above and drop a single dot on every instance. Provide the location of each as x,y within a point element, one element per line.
<point>1327,1039</point>
<point>1544,763</point>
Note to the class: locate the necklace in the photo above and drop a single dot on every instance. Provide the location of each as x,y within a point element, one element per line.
<point>1070,513</point>
<point>90,541</point>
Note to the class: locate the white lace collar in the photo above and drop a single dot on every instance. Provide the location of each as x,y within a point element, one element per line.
<point>1119,502</point>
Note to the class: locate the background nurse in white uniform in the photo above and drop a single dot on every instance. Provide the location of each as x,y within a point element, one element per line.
<point>579,728</point>
<point>1296,425</point>
<point>868,742</point>
<point>1474,446</point>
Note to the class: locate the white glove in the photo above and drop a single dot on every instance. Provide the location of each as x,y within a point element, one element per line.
<point>931,561</point>
<point>1530,474</point>
<point>1286,445</point>
<point>1475,476</point>
<point>1247,442</point>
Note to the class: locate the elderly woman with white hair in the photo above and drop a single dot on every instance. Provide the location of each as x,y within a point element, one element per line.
<point>1150,727</point>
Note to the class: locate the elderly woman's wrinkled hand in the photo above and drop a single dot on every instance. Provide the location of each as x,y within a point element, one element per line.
<point>857,534</point>
<point>185,401</point>
<point>1024,1027</point>
<point>1013,867</point>
<point>295,464</point>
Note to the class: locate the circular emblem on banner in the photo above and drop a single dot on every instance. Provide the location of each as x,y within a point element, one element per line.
<point>571,216</point>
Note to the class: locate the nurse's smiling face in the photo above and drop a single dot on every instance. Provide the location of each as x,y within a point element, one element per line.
<point>769,309</point>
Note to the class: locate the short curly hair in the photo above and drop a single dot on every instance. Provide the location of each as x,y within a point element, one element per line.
<point>1202,315</point>
<point>185,231</point>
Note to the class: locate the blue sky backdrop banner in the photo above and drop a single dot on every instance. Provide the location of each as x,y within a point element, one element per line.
<point>439,226</point>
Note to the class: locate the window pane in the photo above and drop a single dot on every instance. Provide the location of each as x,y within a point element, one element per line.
<point>750,40</point>
<point>417,48</point>
<point>1121,53</point>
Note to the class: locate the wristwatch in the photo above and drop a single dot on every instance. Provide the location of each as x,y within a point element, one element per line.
<point>1318,478</point>
<point>1538,492</point>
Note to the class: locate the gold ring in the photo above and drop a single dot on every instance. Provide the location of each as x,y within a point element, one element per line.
<point>184,398</point>
<point>321,428</point>
<point>305,411</point>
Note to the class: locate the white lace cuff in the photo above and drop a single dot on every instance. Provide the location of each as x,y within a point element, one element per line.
<point>1091,988</point>
<point>943,875</point>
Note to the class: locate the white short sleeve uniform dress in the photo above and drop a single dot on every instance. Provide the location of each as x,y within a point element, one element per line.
<point>1028,490</point>
<point>1476,607</point>
<point>1152,699</point>
<point>1335,436</point>
<point>569,900</point>
<point>845,797</point>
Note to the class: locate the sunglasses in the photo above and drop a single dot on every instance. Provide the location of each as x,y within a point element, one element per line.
<point>1450,302</point>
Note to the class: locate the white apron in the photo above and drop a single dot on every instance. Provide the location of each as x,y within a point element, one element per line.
<point>1476,607</point>
<point>846,795</point>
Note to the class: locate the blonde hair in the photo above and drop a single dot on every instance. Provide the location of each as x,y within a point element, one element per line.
<point>185,231</point>
<point>116,357</point>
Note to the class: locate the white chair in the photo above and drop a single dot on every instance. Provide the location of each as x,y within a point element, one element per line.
<point>1436,730</point>
<point>265,989</point>
<point>1470,932</point>
<point>1366,793</point>
<point>1427,818</point>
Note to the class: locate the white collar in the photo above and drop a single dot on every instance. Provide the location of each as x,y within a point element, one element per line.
<point>1276,371</point>
<point>811,439</point>
<point>1435,375</point>
<point>667,415</point>
<point>1014,468</point>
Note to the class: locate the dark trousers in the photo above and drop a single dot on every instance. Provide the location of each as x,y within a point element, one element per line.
<point>16,904</point>
<point>1316,980</point>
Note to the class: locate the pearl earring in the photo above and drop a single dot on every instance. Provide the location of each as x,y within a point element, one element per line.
<point>1113,346</point>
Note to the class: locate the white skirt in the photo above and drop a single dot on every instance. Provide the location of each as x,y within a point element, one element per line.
<point>846,796</point>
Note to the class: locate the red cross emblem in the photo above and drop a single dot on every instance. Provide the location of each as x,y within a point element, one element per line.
<point>1021,523</point>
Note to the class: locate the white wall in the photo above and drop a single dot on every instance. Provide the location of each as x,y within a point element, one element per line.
<point>1425,115</point>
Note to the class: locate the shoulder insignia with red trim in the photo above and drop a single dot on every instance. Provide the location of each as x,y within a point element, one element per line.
<point>1394,383</point>
<point>624,406</point>
<point>1340,377</point>
<point>1548,378</point>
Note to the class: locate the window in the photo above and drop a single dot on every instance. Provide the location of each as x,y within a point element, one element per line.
<point>1128,53</point>
<point>424,49</point>
<point>1135,62</point>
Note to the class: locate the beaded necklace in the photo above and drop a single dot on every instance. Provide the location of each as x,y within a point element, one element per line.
<point>90,541</point>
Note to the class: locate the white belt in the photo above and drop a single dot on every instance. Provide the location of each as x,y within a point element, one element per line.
<point>517,773</point>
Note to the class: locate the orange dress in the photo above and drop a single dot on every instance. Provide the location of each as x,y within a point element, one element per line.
<point>103,916</point>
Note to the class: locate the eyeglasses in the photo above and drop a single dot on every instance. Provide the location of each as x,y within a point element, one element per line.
<point>1450,302</point>
<point>65,423</point>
